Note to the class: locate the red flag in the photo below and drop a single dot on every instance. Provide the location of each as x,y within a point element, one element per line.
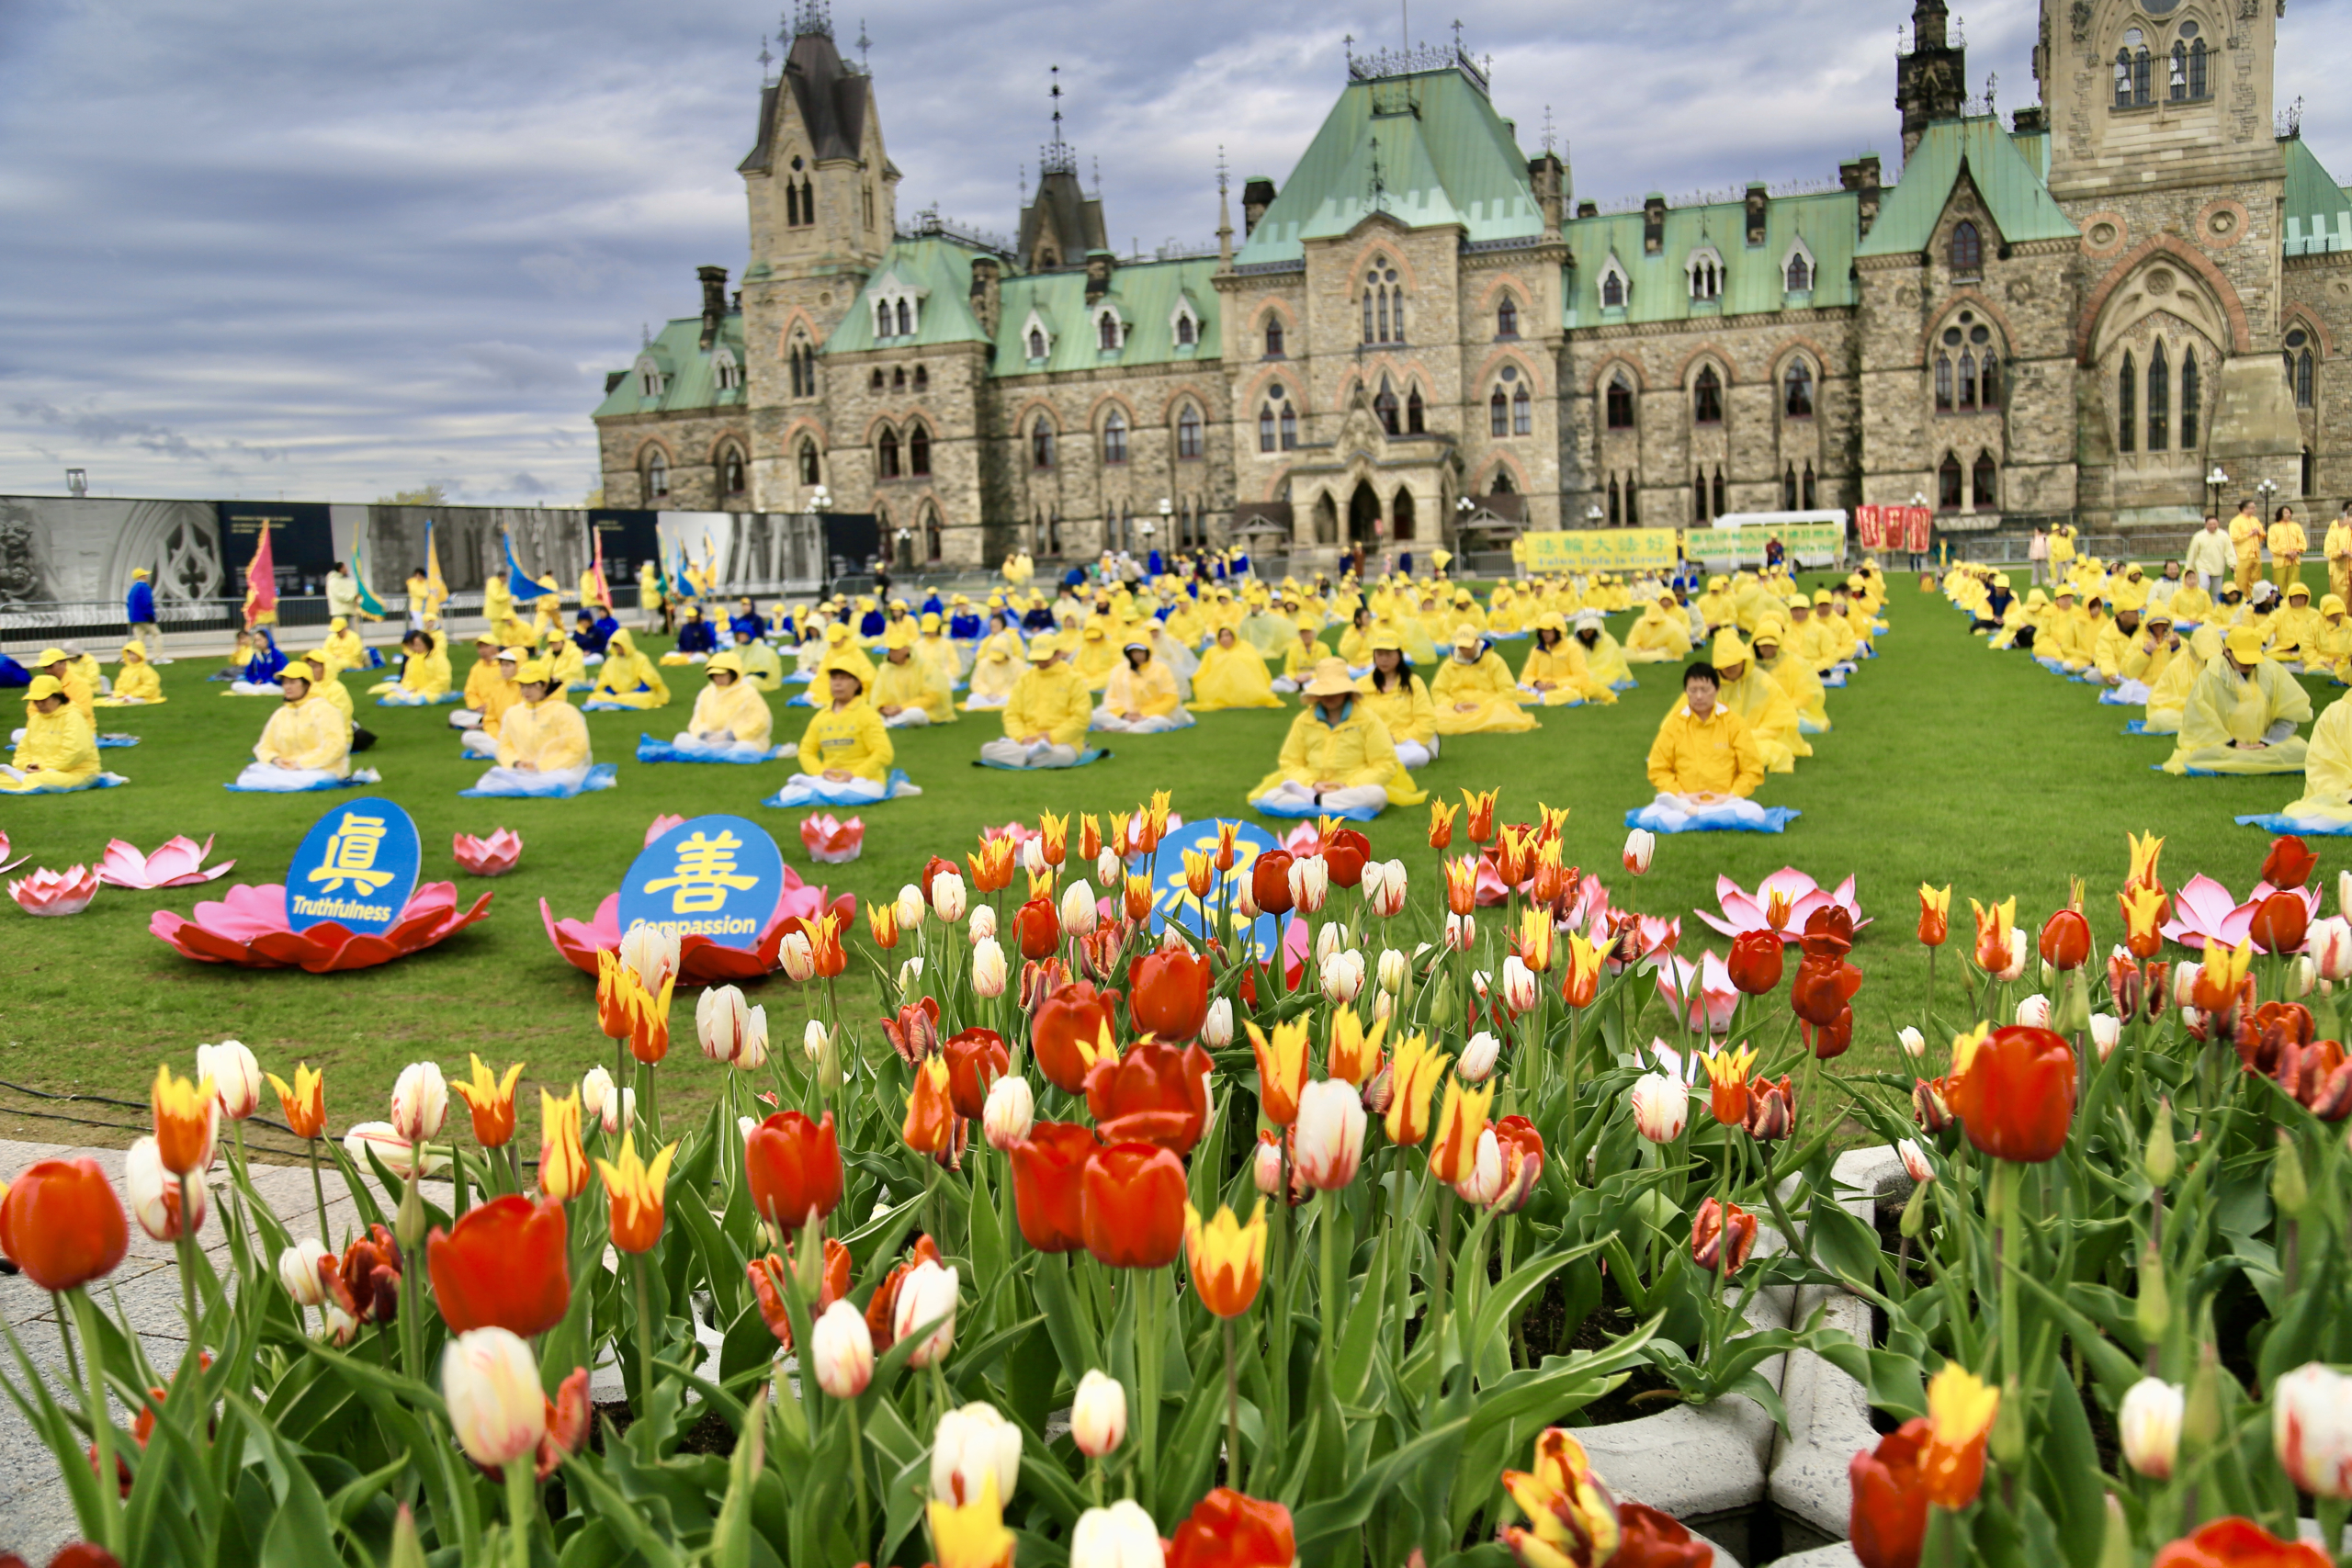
<point>1918,522</point>
<point>261,583</point>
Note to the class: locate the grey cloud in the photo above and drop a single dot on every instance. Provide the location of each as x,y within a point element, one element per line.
<point>521,368</point>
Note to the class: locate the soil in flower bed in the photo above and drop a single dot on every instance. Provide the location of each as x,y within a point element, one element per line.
<point>1760,1534</point>
<point>710,1435</point>
<point>1646,1390</point>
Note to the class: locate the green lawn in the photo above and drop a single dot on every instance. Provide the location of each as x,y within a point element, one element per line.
<point>1948,763</point>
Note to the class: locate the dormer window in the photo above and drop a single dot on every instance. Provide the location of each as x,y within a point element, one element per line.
<point>1038,338</point>
<point>1506,318</point>
<point>1037,344</point>
<point>725,373</point>
<point>1797,273</point>
<point>1615,286</point>
<point>1184,326</point>
<point>898,309</point>
<point>1705,271</point>
<point>1110,332</point>
<point>650,382</point>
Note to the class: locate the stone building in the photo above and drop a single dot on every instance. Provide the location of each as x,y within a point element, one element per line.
<point>2081,312</point>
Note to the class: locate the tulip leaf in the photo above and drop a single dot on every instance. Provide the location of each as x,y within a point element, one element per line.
<point>722,1267</point>
<point>619,1514</point>
<point>1330,1517</point>
<point>1071,1331</point>
<point>1842,1244</point>
<point>2115,1370</point>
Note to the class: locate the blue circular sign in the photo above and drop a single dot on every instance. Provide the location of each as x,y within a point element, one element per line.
<point>357,868</point>
<point>1171,897</point>
<point>717,877</point>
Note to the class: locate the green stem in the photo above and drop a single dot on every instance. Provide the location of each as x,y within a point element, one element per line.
<point>2006,1174</point>
<point>644,1336</point>
<point>1329,1242</point>
<point>857,1474</point>
<point>185,1245</point>
<point>652,1110</point>
<point>1148,1348</point>
<point>1572,1163</point>
<point>1437,1293</point>
<point>85,1315</point>
<point>521,1502</point>
<point>319,1194</point>
<point>1232,1409</point>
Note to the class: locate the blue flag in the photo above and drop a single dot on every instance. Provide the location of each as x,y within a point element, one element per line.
<point>518,583</point>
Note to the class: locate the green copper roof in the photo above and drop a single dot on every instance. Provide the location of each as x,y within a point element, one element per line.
<point>2318,216</point>
<point>2012,187</point>
<point>1754,277</point>
<point>1445,157</point>
<point>940,272</point>
<point>1145,295</point>
<point>690,378</point>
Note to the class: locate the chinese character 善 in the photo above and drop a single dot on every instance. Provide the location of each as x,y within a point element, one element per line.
<point>704,876</point>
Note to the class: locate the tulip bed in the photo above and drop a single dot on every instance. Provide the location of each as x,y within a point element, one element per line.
<point>1101,1246</point>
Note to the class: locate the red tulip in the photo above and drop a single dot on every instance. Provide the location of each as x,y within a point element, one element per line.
<point>63,1224</point>
<point>1755,963</point>
<point>1227,1530</point>
<point>2017,1097</point>
<point>1039,927</point>
<point>1649,1538</point>
<point>976,1057</point>
<point>913,1031</point>
<point>794,1169</point>
<point>1047,1196</point>
<point>881,1313</point>
<point>1168,994</point>
<point>2280,922</point>
<point>1074,1016</point>
<point>506,1264</point>
<point>2066,939</point>
<point>2289,862</point>
<point>1830,1040</point>
<point>1269,882</point>
<point>1133,1206</point>
<point>1154,1094</point>
<point>2233,1542</point>
<point>1888,1528</point>
<point>931,870</point>
<point>772,1283</point>
<point>1707,1237</point>
<point>1829,933</point>
<point>1346,852</point>
<point>1823,989</point>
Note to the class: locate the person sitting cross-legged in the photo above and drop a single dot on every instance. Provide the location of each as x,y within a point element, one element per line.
<point>1338,759</point>
<point>1046,717</point>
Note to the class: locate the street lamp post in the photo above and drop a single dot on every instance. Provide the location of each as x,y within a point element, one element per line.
<point>2213,484</point>
<point>2266,489</point>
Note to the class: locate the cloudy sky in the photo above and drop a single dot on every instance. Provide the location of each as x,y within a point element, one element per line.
<point>326,250</point>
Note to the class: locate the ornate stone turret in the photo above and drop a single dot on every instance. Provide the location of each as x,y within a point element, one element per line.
<point>1931,81</point>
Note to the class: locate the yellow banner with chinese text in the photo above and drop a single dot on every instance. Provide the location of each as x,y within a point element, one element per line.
<point>1601,549</point>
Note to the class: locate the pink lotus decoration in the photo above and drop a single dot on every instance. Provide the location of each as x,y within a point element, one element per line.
<point>2204,911</point>
<point>1746,912</point>
<point>1710,1006</point>
<point>1134,845</point>
<point>661,825</point>
<point>493,856</point>
<point>178,863</point>
<point>48,892</point>
<point>701,961</point>
<point>6,863</point>
<point>1019,833</point>
<point>831,841</point>
<point>247,928</point>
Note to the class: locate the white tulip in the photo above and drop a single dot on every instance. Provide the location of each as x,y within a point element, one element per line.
<point>983,924</point>
<point>1078,909</point>
<point>236,1078</point>
<point>2034,1011</point>
<point>910,977</point>
<point>1120,1535</point>
<point>1266,1169</point>
<point>154,1192</point>
<point>928,1291</point>
<point>2020,949</point>
<point>842,1347</point>
<point>1641,844</point>
<point>595,1090</point>
<point>1913,1043</point>
<point>1330,938</point>
<point>1010,1112</point>
<point>2329,945</point>
<point>1310,881</point>
<point>1217,1031</point>
<point>1477,1063</point>
<point>799,960</point>
<point>948,898</point>
<point>1342,978</point>
<point>989,970</point>
<point>2304,975</point>
<point>495,1404</point>
<point>1098,1415</point>
<point>1394,966</point>
<point>2105,1030</point>
<point>1109,869</point>
<point>297,1270</point>
<point>2310,1431</point>
<point>1033,856</point>
<point>1483,1182</point>
<point>1916,1164</point>
<point>1460,932</point>
<point>730,1031</point>
<point>2148,1422</point>
<point>1383,886</point>
<point>653,952</point>
<point>969,1442</point>
<point>814,1040</point>
<point>1661,1107</point>
<point>420,1102</point>
<point>2343,893</point>
<point>385,1142</point>
<point>1520,991</point>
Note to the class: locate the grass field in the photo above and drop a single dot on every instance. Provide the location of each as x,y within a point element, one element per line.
<point>1948,763</point>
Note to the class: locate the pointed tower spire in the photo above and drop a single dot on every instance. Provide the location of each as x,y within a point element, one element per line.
<point>1224,217</point>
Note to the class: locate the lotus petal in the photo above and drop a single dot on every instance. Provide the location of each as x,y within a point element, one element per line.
<point>53,893</point>
<point>247,928</point>
<point>701,961</point>
<point>179,863</point>
<point>661,825</point>
<point>1744,911</point>
<point>6,863</point>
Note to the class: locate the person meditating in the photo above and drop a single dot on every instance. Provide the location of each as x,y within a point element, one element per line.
<point>57,751</point>
<point>1338,759</point>
<point>425,674</point>
<point>729,715</point>
<point>542,740</point>
<point>1704,763</point>
<point>908,692</point>
<point>1232,675</point>
<point>2242,714</point>
<point>1555,674</point>
<point>627,678</point>
<point>1046,717</point>
<point>845,753</point>
<point>1400,699</point>
<point>1141,698</point>
<point>137,683</point>
<point>504,693</point>
<point>306,743</point>
<point>1474,691</point>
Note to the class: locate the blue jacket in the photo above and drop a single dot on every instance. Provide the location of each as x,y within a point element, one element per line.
<point>697,636</point>
<point>140,602</point>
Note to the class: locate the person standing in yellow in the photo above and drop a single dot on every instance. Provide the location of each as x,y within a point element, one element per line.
<point>1046,717</point>
<point>1473,692</point>
<point>1141,698</point>
<point>2061,552</point>
<point>59,750</point>
<point>306,743</point>
<point>137,683</point>
<point>2286,547</point>
<point>2242,714</point>
<point>1337,758</point>
<point>2247,534</point>
<point>542,742</point>
<point>908,692</point>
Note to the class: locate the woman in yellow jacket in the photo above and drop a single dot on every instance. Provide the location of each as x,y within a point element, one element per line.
<point>1474,693</point>
<point>729,712</point>
<point>1096,656</point>
<point>845,753</point>
<point>1793,676</point>
<point>306,743</point>
<point>425,674</point>
<point>1743,689</point>
<point>1232,675</point>
<point>343,646</point>
<point>1338,759</point>
<point>1299,659</point>
<point>1400,699</point>
<point>59,751</point>
<point>137,683</point>
<point>1141,698</point>
<point>542,743</point>
<point>2326,802</point>
<point>2242,714</point>
<point>1046,717</point>
<point>1554,674</point>
<point>627,679</point>
<point>996,667</point>
<point>1663,634</point>
<point>908,692</point>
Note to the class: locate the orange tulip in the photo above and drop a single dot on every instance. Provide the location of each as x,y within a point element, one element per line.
<point>184,1113</point>
<point>2016,1097</point>
<point>882,919</point>
<point>491,1100</point>
<point>2219,977</point>
<point>1353,1055</point>
<point>1515,854</point>
<point>61,1224</point>
<point>1461,884</point>
<point>648,1040</point>
<point>1281,1069</point>
<point>1227,1259</point>
<point>617,992</point>
<point>2144,912</point>
<point>1413,1075</point>
<point>1138,903</point>
<point>2146,849</point>
<point>1935,915</point>
<point>1481,808</point>
<point>305,1102</point>
<point>1054,832</point>
<point>823,935</point>
<point>992,866</point>
<point>1090,835</point>
<point>1582,982</point>
<point>635,1190</point>
<point>1727,1073</point>
<point>1442,817</point>
<point>1994,923</point>
<point>1151,821</point>
<point>563,1163</point>
<point>1453,1143</point>
<point>1960,1409</point>
<point>1226,836</point>
<point>930,1127</point>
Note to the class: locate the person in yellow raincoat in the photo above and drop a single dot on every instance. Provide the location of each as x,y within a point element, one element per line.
<point>1751,693</point>
<point>1602,657</point>
<point>1508,611</point>
<point>841,644</point>
<point>730,711</point>
<point>1300,658</point>
<point>937,651</point>
<point>567,666</point>
<point>627,678</point>
<point>2336,548</point>
<point>1400,699</point>
<point>2331,645</point>
<point>1705,756</point>
<point>1232,675</point>
<point>2286,547</point>
<point>306,742</point>
<point>1096,655</point>
<point>649,594</point>
<point>908,692</point>
<point>1663,634</point>
<point>2146,656</point>
<point>2294,631</point>
<point>66,671</point>
<point>137,683</point>
<point>343,646</point>
<point>1554,673</point>
<point>1045,718</point>
<point>1473,692</point>
<point>424,672</point>
<point>997,666</point>
<point>2242,714</point>
<point>59,751</point>
<point>761,668</point>
<point>1465,612</point>
<point>1793,676</point>
<point>488,688</point>
<point>543,741</point>
<point>2246,535</point>
<point>1141,698</point>
<point>2168,692</point>
<point>1338,757</point>
<point>2326,799</point>
<point>2117,634</point>
<point>845,753</point>
<point>1716,604</point>
<point>1355,643</point>
<point>2062,643</point>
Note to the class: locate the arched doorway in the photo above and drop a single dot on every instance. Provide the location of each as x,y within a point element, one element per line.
<point>1327,520</point>
<point>1363,514</point>
<point>1401,511</point>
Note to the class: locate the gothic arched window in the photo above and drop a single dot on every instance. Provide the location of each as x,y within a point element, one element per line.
<point>1707,396</point>
<point>919,452</point>
<point>1620,402</point>
<point>1188,431</point>
<point>1796,390</point>
<point>1114,438</point>
<point>1266,428</point>
<point>1967,250</point>
<point>1498,414</point>
<point>1273,337</point>
<point>2127,406</point>
<point>1506,318</point>
<point>2159,399</point>
<point>886,464</point>
<point>1523,413</point>
<point>808,470</point>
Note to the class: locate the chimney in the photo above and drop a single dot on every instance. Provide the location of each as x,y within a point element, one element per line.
<point>1257,195</point>
<point>1866,183</point>
<point>1654,222</point>
<point>1587,209</point>
<point>714,301</point>
<point>986,300</point>
<point>1550,178</point>
<point>2030,120</point>
<point>1098,275</point>
<point>1759,204</point>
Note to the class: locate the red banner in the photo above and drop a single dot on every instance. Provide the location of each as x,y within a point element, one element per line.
<point>1869,527</point>
<point>1918,523</point>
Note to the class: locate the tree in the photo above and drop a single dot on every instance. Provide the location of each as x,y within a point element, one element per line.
<point>429,494</point>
